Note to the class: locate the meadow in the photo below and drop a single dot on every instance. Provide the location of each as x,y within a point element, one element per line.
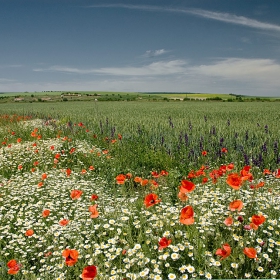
<point>140,190</point>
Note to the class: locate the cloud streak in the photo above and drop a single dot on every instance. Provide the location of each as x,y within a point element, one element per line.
<point>238,69</point>
<point>11,66</point>
<point>159,68</point>
<point>151,53</point>
<point>256,71</point>
<point>223,17</point>
<point>240,75</point>
<point>4,80</point>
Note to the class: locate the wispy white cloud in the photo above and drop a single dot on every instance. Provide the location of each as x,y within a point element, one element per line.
<point>154,69</point>
<point>240,20</point>
<point>236,75</point>
<point>11,66</point>
<point>151,53</point>
<point>159,68</point>
<point>4,80</point>
<point>242,69</point>
<point>224,17</point>
<point>64,69</point>
<point>229,68</point>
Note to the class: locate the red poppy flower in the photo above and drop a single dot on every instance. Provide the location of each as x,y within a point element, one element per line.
<point>234,180</point>
<point>151,199</point>
<point>57,156</point>
<point>199,172</point>
<point>137,179</point>
<point>68,172</point>
<point>40,184</point>
<point>64,222</point>
<point>222,170</point>
<point>187,215</point>
<point>93,210</point>
<point>47,254</point>
<point>224,252</point>
<point>76,194</point>
<point>71,256</point>
<point>29,232</point>
<point>155,174</point>
<point>228,221</point>
<point>191,174</point>
<point>204,153</point>
<point>13,266</point>
<point>245,174</point>
<point>46,213</point>
<point>183,196</point>
<point>236,205</point>
<point>256,221</point>
<point>163,243</point>
<point>163,173</point>
<point>34,132</point>
<point>259,185</point>
<point>276,173</point>
<point>44,176</point>
<point>250,252</point>
<point>230,166</point>
<point>204,180</point>
<point>89,272</point>
<point>187,186</point>
<point>120,179</point>
<point>154,184</point>
<point>94,197</point>
<point>266,171</point>
<point>83,171</point>
<point>253,226</point>
<point>224,150</point>
<point>144,182</point>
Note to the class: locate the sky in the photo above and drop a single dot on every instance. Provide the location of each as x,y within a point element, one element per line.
<point>202,46</point>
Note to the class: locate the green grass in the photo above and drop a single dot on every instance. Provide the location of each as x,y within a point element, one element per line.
<point>151,95</point>
<point>51,93</point>
<point>174,132</point>
<point>197,95</point>
<point>138,138</point>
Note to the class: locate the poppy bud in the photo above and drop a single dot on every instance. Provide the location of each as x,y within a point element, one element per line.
<point>247,227</point>
<point>240,219</point>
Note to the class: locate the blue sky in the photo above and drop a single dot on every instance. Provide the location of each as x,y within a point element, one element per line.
<point>215,46</point>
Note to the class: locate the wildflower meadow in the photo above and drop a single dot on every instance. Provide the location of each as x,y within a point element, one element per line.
<point>140,190</point>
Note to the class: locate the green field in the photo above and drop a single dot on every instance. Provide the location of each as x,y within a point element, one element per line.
<point>164,127</point>
<point>57,96</point>
<point>184,190</point>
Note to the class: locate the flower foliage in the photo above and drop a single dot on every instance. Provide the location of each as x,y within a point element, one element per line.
<point>65,214</point>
